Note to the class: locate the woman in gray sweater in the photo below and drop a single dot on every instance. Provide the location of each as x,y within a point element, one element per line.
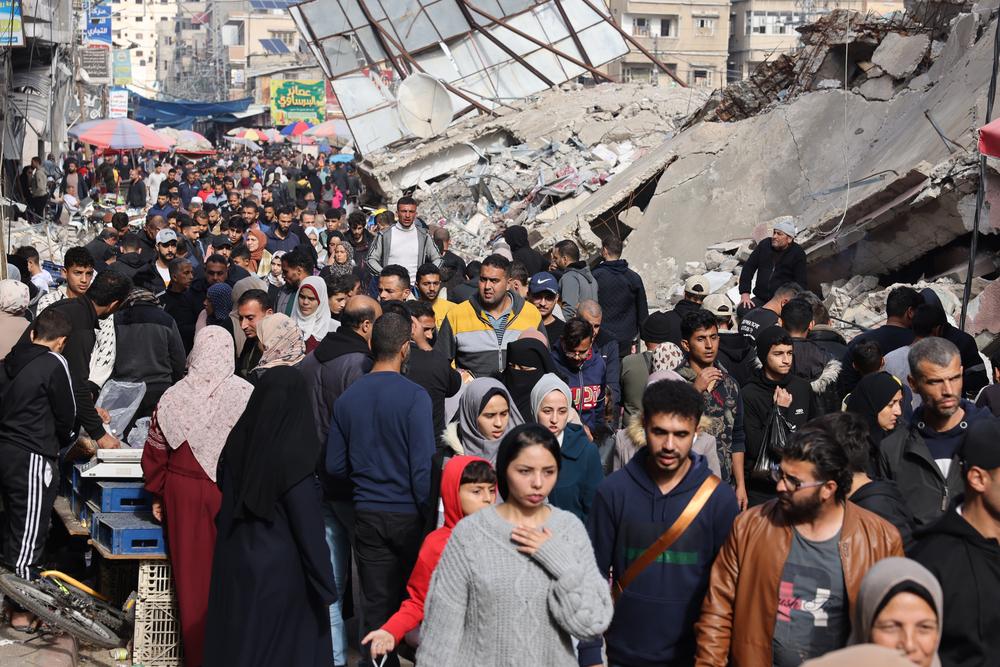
<point>517,581</point>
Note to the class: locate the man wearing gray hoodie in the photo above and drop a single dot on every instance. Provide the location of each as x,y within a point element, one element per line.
<point>577,282</point>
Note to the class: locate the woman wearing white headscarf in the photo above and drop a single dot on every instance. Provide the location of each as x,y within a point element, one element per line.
<point>312,233</point>
<point>580,468</point>
<point>312,311</point>
<point>13,303</point>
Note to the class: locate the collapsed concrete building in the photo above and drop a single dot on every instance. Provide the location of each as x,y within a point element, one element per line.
<point>535,159</point>
<point>867,135</point>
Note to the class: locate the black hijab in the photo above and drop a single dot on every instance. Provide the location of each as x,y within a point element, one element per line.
<point>274,444</point>
<point>869,397</point>
<point>529,353</point>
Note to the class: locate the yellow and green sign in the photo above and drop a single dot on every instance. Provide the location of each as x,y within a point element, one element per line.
<point>297,100</point>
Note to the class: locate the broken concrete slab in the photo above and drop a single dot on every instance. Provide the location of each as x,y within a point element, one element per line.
<point>878,88</point>
<point>727,192</point>
<point>898,55</point>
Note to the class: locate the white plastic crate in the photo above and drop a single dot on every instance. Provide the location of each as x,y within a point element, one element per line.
<point>157,637</point>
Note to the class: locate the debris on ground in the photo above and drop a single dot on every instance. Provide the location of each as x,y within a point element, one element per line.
<point>536,161</point>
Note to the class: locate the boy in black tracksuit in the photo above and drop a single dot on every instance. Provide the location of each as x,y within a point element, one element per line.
<point>37,414</point>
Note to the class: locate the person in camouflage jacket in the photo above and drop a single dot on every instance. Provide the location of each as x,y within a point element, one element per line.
<point>721,395</point>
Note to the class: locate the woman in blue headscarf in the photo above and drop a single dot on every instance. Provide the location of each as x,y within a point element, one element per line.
<point>218,304</point>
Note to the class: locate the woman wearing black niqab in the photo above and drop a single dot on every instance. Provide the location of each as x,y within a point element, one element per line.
<point>528,359</point>
<point>272,582</point>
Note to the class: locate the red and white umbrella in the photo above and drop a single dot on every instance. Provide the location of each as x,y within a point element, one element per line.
<point>119,134</point>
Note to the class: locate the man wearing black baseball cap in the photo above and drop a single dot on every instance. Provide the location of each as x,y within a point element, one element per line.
<point>543,292</point>
<point>962,549</point>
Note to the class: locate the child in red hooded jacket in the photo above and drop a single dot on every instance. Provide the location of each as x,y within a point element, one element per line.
<point>468,484</point>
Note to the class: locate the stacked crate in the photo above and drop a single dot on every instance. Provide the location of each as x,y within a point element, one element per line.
<point>157,637</point>
<point>118,514</point>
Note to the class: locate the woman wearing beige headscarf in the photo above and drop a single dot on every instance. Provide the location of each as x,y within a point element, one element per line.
<point>13,303</point>
<point>900,606</point>
<point>281,342</point>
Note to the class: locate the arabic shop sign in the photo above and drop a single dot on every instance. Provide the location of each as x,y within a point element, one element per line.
<point>297,100</point>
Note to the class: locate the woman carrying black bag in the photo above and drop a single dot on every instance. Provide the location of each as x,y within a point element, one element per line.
<point>773,390</point>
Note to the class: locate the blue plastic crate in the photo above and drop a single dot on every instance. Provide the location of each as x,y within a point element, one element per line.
<point>129,534</point>
<point>121,497</point>
<point>77,504</point>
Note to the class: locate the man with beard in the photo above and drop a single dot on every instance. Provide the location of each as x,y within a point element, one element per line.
<point>252,307</point>
<point>147,237</point>
<point>585,371</point>
<point>658,597</point>
<point>281,237</point>
<point>155,276</point>
<point>180,302</point>
<point>723,406</point>
<point>429,290</point>
<point>785,584</point>
<point>775,262</point>
<point>475,333</point>
<point>923,459</point>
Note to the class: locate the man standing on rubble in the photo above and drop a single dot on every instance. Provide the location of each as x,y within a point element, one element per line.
<point>776,261</point>
<point>405,243</point>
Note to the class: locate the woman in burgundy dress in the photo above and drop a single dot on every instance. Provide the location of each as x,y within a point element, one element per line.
<point>188,431</point>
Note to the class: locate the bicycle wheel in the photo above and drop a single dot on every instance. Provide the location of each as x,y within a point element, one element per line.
<point>103,612</point>
<point>52,610</point>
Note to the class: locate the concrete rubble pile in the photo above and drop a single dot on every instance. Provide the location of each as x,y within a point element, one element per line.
<point>891,161</point>
<point>866,136</point>
<point>533,162</point>
<point>50,240</point>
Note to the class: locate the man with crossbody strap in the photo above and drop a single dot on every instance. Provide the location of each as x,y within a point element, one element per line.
<point>656,526</point>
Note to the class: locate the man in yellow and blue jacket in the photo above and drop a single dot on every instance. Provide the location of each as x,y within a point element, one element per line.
<point>475,333</point>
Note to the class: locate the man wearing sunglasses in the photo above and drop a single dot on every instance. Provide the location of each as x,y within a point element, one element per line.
<point>802,557</point>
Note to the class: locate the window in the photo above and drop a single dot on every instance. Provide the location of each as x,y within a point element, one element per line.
<point>138,54</point>
<point>704,27</point>
<point>138,19</point>
<point>640,27</point>
<point>773,23</point>
<point>162,19</point>
<point>142,63</point>
<point>233,34</point>
<point>668,27</point>
<point>701,76</point>
<point>138,35</point>
<point>638,74</point>
<point>288,37</point>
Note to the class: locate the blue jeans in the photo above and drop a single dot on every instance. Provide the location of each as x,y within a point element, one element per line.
<point>337,538</point>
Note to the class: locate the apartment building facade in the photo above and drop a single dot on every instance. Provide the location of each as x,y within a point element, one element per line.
<point>762,29</point>
<point>690,38</point>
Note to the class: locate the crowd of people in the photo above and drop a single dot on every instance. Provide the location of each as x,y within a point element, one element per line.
<point>506,459</point>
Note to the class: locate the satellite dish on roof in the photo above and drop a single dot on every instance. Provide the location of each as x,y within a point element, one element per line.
<point>424,105</point>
